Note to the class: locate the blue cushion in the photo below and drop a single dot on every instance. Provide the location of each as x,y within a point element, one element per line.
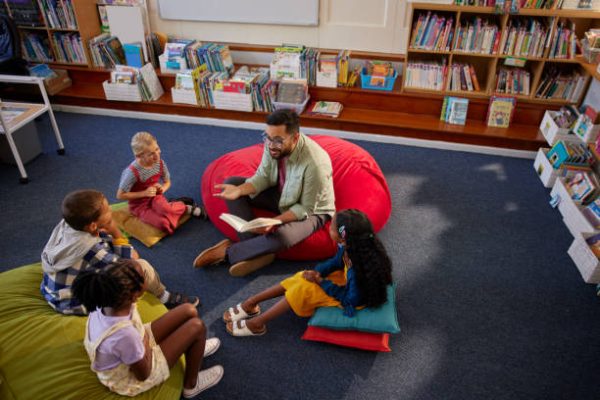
<point>377,320</point>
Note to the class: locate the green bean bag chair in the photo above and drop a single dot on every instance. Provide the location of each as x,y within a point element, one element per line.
<point>41,351</point>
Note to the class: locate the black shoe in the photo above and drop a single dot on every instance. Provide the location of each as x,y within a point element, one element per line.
<point>188,201</point>
<point>176,299</point>
<point>199,212</point>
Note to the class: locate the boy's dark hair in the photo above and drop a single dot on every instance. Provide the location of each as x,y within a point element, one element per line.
<point>370,261</point>
<point>111,286</point>
<point>289,118</point>
<point>82,207</point>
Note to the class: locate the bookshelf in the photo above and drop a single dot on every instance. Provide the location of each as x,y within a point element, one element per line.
<point>59,38</point>
<point>493,66</point>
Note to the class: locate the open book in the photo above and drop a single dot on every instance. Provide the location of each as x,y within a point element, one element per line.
<point>242,225</point>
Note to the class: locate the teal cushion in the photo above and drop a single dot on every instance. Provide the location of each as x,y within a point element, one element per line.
<point>377,320</point>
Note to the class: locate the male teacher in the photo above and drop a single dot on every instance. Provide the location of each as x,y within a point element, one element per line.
<point>293,180</point>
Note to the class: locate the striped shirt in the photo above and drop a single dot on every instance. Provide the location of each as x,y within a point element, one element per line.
<point>128,177</point>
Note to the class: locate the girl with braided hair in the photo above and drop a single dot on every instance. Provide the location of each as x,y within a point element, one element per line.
<point>128,356</point>
<point>357,276</point>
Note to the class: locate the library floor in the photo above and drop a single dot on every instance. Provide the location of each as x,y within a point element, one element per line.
<point>489,302</point>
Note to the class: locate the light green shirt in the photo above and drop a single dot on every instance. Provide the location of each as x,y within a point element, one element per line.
<point>308,187</point>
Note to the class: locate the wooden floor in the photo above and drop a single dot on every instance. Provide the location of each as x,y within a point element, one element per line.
<point>388,113</point>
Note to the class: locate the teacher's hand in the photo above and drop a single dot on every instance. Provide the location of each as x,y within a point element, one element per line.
<point>227,191</point>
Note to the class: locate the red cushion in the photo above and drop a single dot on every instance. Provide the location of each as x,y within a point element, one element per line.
<point>356,339</point>
<point>358,183</point>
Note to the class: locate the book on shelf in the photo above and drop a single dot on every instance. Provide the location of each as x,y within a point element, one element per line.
<point>500,111</point>
<point>561,85</point>
<point>594,242</point>
<point>480,36</point>
<point>462,77</point>
<point>426,75</point>
<point>104,24</point>
<point>106,51</point>
<point>36,48</point>
<point>568,153</point>
<point>42,71</point>
<point>454,110</point>
<point>59,14</point>
<point>432,32</point>
<point>592,213</point>
<point>582,186</point>
<point>514,81</point>
<point>585,122</point>
<point>241,225</point>
<point>134,55</point>
<point>524,37</point>
<point>325,109</point>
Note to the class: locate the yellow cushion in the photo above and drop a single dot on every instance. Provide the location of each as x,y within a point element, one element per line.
<point>41,351</point>
<point>132,226</point>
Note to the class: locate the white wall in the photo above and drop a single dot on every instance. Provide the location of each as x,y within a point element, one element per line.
<point>373,25</point>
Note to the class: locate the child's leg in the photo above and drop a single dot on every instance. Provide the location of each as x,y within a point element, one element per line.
<point>257,324</point>
<point>164,215</point>
<point>249,305</point>
<point>151,278</point>
<point>187,336</point>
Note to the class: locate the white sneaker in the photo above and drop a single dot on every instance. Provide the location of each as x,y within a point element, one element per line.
<point>211,346</point>
<point>206,378</point>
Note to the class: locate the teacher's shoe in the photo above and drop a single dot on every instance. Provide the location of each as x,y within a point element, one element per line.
<point>213,255</point>
<point>246,267</point>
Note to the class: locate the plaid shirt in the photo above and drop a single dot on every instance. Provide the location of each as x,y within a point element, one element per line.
<point>56,286</point>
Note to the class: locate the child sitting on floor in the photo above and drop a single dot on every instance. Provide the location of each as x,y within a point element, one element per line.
<point>356,276</point>
<point>88,238</point>
<point>144,183</point>
<point>128,356</point>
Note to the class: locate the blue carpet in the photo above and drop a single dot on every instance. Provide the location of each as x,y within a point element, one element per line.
<point>490,304</point>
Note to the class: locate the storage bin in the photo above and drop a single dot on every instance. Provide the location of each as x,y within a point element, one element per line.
<point>232,101</point>
<point>544,169</point>
<point>59,82</point>
<point>574,219</point>
<point>591,55</point>
<point>586,131</point>
<point>584,258</point>
<point>184,96</point>
<point>366,81</point>
<point>290,106</point>
<point>552,133</point>
<point>122,91</point>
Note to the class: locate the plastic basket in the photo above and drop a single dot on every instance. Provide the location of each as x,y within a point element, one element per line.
<point>291,106</point>
<point>366,81</point>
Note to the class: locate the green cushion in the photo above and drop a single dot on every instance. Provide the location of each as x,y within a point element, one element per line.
<point>377,320</point>
<point>41,351</point>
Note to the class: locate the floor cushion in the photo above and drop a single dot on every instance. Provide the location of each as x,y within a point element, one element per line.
<point>132,226</point>
<point>383,319</point>
<point>41,351</point>
<point>357,179</point>
<point>355,339</point>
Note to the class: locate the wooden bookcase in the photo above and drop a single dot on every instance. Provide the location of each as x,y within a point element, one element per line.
<point>487,65</point>
<point>88,26</point>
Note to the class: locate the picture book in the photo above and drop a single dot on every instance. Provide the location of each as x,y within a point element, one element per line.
<point>585,122</point>
<point>42,71</point>
<point>592,213</point>
<point>581,186</point>
<point>325,108</point>
<point>133,54</point>
<point>500,111</point>
<point>454,110</point>
<point>241,225</point>
<point>594,243</point>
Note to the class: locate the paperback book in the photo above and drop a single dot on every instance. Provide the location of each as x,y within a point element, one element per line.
<point>500,111</point>
<point>454,110</point>
<point>241,225</point>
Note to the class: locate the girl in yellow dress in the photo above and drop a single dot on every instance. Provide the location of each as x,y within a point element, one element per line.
<point>357,276</point>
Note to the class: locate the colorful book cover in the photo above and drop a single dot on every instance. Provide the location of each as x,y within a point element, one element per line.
<point>133,54</point>
<point>458,111</point>
<point>500,111</point>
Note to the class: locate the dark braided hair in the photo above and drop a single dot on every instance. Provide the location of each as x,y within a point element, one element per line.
<point>370,261</point>
<point>111,286</point>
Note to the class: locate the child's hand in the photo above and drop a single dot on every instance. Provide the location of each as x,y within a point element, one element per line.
<point>159,188</point>
<point>312,276</point>
<point>150,192</point>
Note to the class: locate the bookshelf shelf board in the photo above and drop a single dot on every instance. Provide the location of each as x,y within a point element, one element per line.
<point>466,53</point>
<point>33,28</point>
<point>525,57</point>
<point>420,90</point>
<point>550,101</point>
<point>591,69</point>
<point>465,93</point>
<point>411,50</point>
<point>563,60</point>
<point>66,63</point>
<point>517,96</point>
<point>62,30</point>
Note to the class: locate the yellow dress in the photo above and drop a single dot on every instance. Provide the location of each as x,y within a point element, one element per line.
<point>304,296</point>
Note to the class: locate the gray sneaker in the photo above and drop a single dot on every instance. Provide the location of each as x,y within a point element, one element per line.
<point>207,378</point>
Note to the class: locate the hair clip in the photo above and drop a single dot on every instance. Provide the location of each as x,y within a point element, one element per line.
<point>342,231</point>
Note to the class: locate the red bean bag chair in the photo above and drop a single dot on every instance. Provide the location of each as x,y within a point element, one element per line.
<point>357,180</point>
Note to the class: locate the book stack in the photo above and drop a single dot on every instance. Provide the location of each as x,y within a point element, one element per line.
<point>247,90</point>
<point>560,85</point>
<point>500,111</point>
<point>454,110</point>
<point>36,48</point>
<point>107,51</point>
<point>309,65</point>
<point>514,81</point>
<point>331,109</point>
<point>426,75</point>
<point>547,4</point>
<point>59,14</point>
<point>327,71</point>
<point>524,37</point>
<point>432,32</point>
<point>564,43</point>
<point>68,48</point>
<point>477,36</point>
<point>204,82</point>
<point>217,57</point>
<point>133,84</point>
<point>462,77</point>
<point>571,154</point>
<point>263,90</point>
<point>582,187</point>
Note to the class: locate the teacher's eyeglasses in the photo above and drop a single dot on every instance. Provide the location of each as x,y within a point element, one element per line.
<point>276,143</point>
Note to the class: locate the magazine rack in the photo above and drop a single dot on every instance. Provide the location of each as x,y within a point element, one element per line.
<point>9,126</point>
